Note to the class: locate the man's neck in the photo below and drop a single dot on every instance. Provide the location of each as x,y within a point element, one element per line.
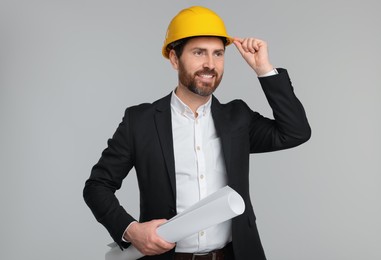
<point>192,100</point>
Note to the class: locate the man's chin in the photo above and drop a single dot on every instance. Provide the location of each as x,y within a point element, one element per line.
<point>203,91</point>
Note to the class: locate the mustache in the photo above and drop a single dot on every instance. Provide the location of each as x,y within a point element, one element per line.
<point>207,71</point>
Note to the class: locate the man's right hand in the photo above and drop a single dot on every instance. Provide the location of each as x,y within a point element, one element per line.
<point>143,237</point>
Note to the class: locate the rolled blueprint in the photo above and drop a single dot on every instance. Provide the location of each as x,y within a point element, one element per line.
<point>216,208</point>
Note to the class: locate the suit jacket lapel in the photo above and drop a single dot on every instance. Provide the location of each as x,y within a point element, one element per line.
<point>221,119</point>
<point>163,122</point>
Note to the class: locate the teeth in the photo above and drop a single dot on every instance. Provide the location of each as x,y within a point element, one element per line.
<point>206,76</point>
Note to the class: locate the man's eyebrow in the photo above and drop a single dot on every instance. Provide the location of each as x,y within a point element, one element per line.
<point>198,49</point>
<point>204,49</point>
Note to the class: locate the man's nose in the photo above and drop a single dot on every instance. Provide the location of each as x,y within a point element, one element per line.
<point>209,62</point>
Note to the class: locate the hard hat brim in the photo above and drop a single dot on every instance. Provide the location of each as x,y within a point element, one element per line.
<point>166,49</point>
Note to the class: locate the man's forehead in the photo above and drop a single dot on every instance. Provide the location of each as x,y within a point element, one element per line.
<point>205,42</point>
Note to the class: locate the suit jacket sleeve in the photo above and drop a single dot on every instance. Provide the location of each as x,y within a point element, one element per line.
<point>290,127</point>
<point>106,177</point>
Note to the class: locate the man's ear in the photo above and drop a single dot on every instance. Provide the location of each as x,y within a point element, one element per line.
<point>173,59</point>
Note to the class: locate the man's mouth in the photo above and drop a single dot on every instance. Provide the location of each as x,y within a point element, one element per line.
<point>206,76</point>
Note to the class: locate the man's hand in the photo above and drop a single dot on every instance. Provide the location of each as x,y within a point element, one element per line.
<point>254,51</point>
<point>143,237</point>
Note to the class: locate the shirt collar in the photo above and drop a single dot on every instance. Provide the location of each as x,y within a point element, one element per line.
<point>183,109</point>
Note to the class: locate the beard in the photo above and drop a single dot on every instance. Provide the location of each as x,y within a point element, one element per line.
<point>198,87</point>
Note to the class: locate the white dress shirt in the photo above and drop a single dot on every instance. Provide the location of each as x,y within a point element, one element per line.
<point>200,170</point>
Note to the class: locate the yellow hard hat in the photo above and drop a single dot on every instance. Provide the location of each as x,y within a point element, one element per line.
<point>194,21</point>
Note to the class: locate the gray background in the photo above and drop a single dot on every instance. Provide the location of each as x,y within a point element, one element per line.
<point>68,69</point>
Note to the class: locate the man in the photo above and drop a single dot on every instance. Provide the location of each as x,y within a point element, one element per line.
<point>187,145</point>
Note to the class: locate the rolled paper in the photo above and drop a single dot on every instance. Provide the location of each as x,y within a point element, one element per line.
<point>216,208</point>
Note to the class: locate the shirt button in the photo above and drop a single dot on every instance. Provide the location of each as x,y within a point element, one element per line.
<point>202,177</point>
<point>202,233</point>
<point>198,148</point>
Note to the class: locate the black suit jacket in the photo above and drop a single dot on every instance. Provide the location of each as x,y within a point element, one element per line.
<point>144,140</point>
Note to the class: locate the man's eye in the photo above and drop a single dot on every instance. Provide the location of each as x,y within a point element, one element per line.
<point>219,54</point>
<point>198,53</point>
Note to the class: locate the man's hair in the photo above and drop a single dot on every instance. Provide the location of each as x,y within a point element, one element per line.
<point>178,46</point>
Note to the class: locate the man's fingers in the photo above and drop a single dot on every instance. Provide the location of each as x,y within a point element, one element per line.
<point>161,242</point>
<point>245,45</point>
<point>159,222</point>
<point>144,237</point>
<point>164,245</point>
<point>248,45</point>
<point>237,39</point>
<point>238,44</point>
<point>156,245</point>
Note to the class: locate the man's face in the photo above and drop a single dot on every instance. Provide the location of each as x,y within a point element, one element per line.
<point>201,65</point>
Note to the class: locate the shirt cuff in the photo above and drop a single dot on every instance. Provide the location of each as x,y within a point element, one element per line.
<point>270,73</point>
<point>124,240</point>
